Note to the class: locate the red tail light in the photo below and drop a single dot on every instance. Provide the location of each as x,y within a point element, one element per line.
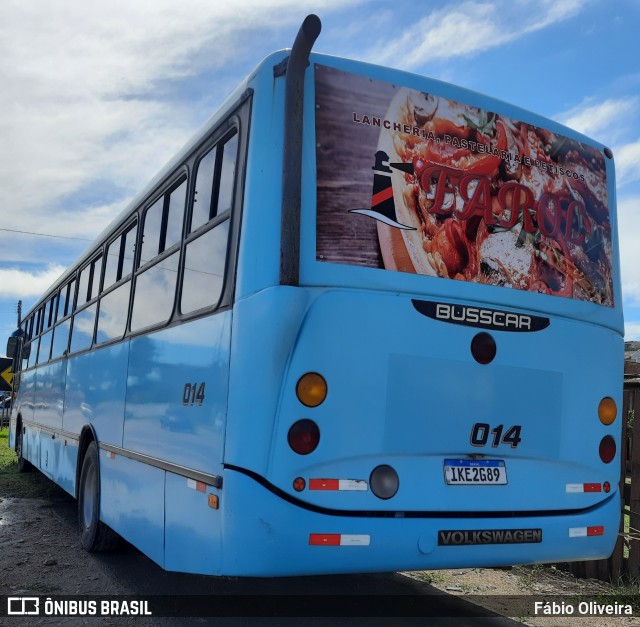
<point>304,436</point>
<point>607,449</point>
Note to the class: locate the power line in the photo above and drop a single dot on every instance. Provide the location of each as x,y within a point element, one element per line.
<point>84,239</point>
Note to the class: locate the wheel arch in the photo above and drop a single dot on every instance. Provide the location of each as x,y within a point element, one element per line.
<point>87,435</point>
<point>18,429</point>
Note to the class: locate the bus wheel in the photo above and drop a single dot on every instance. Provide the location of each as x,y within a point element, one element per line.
<point>94,535</point>
<point>23,464</point>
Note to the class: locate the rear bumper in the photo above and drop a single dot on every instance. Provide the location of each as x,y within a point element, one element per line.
<point>264,535</point>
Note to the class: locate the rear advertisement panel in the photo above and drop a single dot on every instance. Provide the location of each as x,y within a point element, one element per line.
<point>414,182</point>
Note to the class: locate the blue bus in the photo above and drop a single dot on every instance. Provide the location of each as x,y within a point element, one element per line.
<point>363,321</point>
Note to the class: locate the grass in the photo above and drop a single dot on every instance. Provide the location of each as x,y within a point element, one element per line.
<point>14,483</point>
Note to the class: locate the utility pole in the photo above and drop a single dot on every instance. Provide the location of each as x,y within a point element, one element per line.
<point>19,312</point>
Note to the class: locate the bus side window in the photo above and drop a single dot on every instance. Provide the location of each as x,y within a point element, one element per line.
<point>83,286</point>
<point>71,298</point>
<point>204,269</point>
<point>151,231</point>
<point>154,293</point>
<point>60,339</point>
<point>204,190</point>
<point>227,175</point>
<point>175,215</point>
<point>83,327</point>
<point>45,348</point>
<point>112,319</point>
<point>128,251</point>
<point>94,278</point>
<point>111,262</point>
<point>205,254</point>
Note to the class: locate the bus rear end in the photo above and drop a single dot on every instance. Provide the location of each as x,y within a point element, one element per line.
<point>443,386</point>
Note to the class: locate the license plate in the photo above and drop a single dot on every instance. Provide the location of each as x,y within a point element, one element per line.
<point>475,472</point>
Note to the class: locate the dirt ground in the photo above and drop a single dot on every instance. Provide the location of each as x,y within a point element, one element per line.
<point>40,554</point>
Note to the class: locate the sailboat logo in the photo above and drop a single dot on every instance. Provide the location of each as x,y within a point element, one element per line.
<point>383,207</point>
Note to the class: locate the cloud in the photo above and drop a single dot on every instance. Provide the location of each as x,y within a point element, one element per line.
<point>631,330</point>
<point>627,159</point>
<point>19,283</point>
<point>629,235</point>
<point>605,119</point>
<point>94,90</point>
<point>470,28</point>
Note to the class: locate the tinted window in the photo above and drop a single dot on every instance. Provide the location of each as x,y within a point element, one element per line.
<point>71,299</point>
<point>94,287</point>
<point>204,189</point>
<point>83,286</point>
<point>112,319</point>
<point>49,315</point>
<point>129,251</point>
<point>176,214</point>
<point>227,175</point>
<point>204,269</point>
<point>154,293</point>
<point>60,339</point>
<point>82,334</point>
<point>151,232</point>
<point>45,347</point>
<point>111,264</point>
<point>38,322</point>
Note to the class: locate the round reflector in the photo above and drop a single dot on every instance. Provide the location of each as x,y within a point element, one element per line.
<point>384,482</point>
<point>304,436</point>
<point>311,389</point>
<point>299,484</point>
<point>483,348</point>
<point>607,410</point>
<point>607,449</point>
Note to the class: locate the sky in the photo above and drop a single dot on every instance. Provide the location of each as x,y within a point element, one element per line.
<point>97,95</point>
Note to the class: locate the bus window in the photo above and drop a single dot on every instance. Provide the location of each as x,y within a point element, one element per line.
<point>60,339</point>
<point>45,348</point>
<point>128,251</point>
<point>112,319</point>
<point>175,215</point>
<point>204,189</point>
<point>71,298</point>
<point>94,279</point>
<point>151,232</point>
<point>49,312</point>
<point>112,260</point>
<point>83,325</point>
<point>227,175</point>
<point>38,324</point>
<point>83,286</point>
<point>154,293</point>
<point>204,269</point>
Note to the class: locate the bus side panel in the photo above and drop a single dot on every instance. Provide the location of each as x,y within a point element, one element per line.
<point>192,526</point>
<point>176,403</point>
<point>266,327</point>
<point>31,445</point>
<point>49,394</point>
<point>67,460</point>
<point>27,390</point>
<point>132,502</point>
<point>95,392</point>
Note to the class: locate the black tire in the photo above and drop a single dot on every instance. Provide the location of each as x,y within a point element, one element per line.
<point>23,464</point>
<point>94,534</point>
